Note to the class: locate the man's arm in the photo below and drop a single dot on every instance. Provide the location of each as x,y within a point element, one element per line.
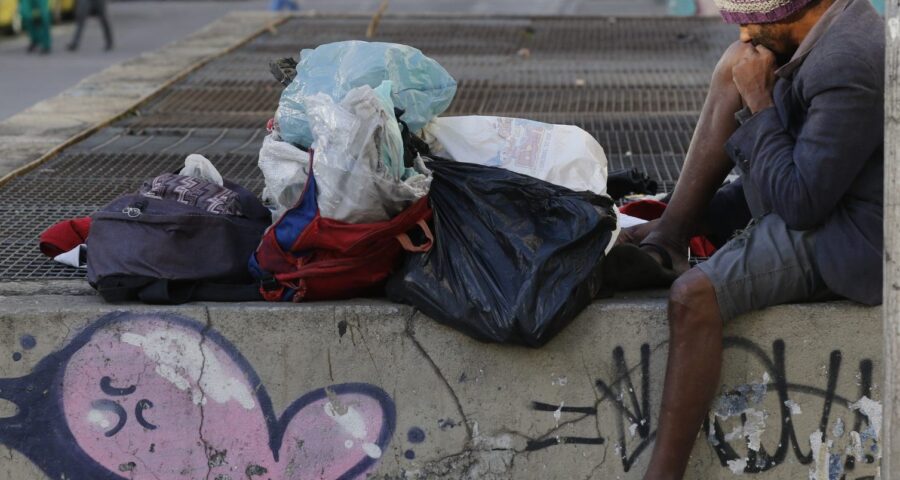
<point>802,179</point>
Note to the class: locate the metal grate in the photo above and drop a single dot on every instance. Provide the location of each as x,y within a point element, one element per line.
<point>430,34</point>
<point>487,98</point>
<point>21,260</point>
<point>20,257</point>
<point>635,84</point>
<point>181,120</point>
<point>173,140</point>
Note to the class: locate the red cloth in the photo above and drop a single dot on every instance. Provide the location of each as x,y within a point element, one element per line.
<point>644,209</point>
<point>64,236</point>
<point>653,209</point>
<point>332,260</point>
<point>702,247</point>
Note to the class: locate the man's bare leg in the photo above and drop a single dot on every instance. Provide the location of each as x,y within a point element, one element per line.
<point>695,324</point>
<point>705,167</point>
<point>692,373</point>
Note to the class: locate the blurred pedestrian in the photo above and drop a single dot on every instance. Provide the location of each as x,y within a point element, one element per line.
<point>40,32</point>
<point>84,9</point>
<point>279,5</point>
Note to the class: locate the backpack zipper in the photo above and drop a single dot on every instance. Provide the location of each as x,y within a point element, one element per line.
<point>135,209</point>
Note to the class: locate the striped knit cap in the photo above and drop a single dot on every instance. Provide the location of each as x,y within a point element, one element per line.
<point>759,11</point>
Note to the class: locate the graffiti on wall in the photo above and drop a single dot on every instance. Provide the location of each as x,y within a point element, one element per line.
<point>738,419</point>
<point>159,396</point>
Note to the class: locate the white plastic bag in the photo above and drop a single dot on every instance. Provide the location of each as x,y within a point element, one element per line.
<point>285,169</point>
<point>198,166</point>
<point>358,157</point>
<point>564,155</point>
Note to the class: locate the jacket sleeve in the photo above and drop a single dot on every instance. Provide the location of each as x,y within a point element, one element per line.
<point>802,179</point>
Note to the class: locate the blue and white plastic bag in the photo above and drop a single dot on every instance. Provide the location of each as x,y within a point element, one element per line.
<point>419,85</point>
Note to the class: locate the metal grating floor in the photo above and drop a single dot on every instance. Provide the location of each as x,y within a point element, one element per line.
<point>637,85</point>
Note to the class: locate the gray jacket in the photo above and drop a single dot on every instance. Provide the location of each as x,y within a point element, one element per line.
<point>817,157</point>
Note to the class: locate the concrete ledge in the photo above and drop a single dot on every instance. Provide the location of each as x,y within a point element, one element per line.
<point>426,401</point>
<point>45,129</point>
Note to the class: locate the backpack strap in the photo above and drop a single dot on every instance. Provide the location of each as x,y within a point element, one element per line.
<point>407,244</point>
<point>169,292</point>
<point>120,288</point>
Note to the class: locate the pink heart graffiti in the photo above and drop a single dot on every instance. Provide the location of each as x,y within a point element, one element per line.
<point>157,397</point>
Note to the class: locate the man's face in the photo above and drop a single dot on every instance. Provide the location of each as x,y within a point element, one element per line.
<point>774,36</point>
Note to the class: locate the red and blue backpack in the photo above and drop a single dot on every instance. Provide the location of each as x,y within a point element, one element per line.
<point>306,257</point>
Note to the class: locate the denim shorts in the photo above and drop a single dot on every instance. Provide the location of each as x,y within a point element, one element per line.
<point>764,265</point>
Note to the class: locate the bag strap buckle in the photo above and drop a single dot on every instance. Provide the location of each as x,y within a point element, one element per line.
<point>269,284</point>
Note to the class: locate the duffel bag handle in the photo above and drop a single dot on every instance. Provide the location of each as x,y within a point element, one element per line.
<point>341,265</point>
<point>326,267</point>
<point>407,243</point>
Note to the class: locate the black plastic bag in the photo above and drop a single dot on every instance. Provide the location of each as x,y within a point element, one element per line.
<point>515,258</point>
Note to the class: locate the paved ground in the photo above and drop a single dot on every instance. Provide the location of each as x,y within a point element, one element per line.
<point>137,27</point>
<point>146,26</point>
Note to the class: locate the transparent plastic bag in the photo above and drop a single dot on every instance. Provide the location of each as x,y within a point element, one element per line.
<point>358,159</point>
<point>420,86</point>
<point>285,169</point>
<point>198,166</point>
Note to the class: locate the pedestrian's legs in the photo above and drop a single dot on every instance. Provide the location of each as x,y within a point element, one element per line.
<point>692,373</point>
<point>43,32</point>
<point>100,11</point>
<point>705,167</point>
<point>82,9</point>
<point>26,9</point>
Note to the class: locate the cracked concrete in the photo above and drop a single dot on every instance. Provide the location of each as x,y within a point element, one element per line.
<point>410,332</point>
<point>206,446</point>
<point>471,405</point>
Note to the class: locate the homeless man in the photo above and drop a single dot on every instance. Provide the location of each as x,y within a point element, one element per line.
<point>796,106</point>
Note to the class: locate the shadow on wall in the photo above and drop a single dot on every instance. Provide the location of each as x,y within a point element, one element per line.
<point>708,7</point>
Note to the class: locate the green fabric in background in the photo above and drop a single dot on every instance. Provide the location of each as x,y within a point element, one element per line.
<point>38,31</point>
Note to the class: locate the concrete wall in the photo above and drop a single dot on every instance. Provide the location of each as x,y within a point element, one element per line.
<point>372,389</point>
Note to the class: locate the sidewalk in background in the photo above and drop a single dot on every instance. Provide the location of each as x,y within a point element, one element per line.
<point>138,27</point>
<point>141,26</point>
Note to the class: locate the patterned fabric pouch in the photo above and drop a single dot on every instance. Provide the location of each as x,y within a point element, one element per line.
<point>193,191</point>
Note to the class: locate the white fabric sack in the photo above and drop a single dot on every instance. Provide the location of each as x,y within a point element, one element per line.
<point>358,157</point>
<point>564,155</point>
<point>285,169</point>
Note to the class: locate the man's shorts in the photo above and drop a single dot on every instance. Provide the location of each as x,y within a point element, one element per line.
<point>766,264</point>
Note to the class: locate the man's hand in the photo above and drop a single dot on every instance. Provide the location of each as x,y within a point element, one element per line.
<point>754,77</point>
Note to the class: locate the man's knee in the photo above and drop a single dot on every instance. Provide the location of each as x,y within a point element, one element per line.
<point>692,301</point>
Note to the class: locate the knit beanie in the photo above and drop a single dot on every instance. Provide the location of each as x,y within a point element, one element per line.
<point>759,11</point>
